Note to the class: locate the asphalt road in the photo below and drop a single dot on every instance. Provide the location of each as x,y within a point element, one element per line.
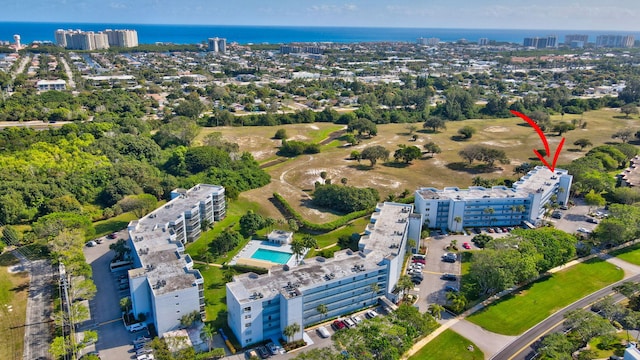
<point>521,348</point>
<point>37,334</point>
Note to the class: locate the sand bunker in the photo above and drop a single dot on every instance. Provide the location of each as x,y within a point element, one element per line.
<point>496,129</point>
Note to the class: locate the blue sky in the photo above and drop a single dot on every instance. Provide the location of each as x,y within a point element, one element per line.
<point>495,14</point>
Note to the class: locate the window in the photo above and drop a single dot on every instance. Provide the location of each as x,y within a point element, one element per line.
<point>177,304</point>
<point>247,325</point>
<point>269,317</point>
<point>248,308</point>
<point>247,316</point>
<point>176,296</point>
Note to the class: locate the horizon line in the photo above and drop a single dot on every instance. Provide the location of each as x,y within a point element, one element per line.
<point>312,26</point>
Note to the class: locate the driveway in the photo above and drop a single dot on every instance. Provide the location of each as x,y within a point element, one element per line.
<point>575,217</point>
<point>114,341</point>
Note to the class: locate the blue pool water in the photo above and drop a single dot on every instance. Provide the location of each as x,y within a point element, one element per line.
<point>277,257</point>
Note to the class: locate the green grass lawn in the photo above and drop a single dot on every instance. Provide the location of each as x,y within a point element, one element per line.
<point>449,345</point>
<point>235,210</point>
<point>215,294</point>
<point>629,254</point>
<point>617,349</point>
<point>116,223</point>
<point>13,293</point>
<point>516,313</point>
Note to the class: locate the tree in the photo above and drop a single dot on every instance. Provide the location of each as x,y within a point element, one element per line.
<point>481,240</point>
<point>82,289</point>
<point>629,109</point>
<point>344,181</point>
<point>281,134</point>
<point>432,148</point>
<point>556,346</point>
<point>563,127</point>
<point>375,289</point>
<point>467,131</point>
<point>207,334</point>
<point>631,92</point>
<point>457,301</point>
<point>587,325</point>
<point>404,283</point>
<point>471,153</point>
<point>407,153</point>
<point>623,135</point>
<point>375,153</point>
<point>594,199</point>
<point>363,127</point>
<point>125,304</point>
<point>250,223</point>
<point>322,309</point>
<point>411,128</point>
<point>291,330</point>
<point>436,310</point>
<point>190,319</point>
<point>434,123</point>
<point>582,142</point>
<point>298,248</point>
<point>60,347</point>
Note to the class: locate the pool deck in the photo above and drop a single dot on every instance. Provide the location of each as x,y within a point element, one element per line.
<point>253,245</point>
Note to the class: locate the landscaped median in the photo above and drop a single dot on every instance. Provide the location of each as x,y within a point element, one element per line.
<point>515,313</point>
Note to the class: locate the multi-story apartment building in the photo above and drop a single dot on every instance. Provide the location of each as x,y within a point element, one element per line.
<point>550,41</point>
<point>122,38</point>
<point>217,44</point>
<point>428,41</point>
<point>89,40</point>
<point>576,37</point>
<point>261,306</point>
<point>454,209</point>
<point>163,284</point>
<point>615,41</point>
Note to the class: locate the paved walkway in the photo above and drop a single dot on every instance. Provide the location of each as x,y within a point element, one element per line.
<point>489,342</point>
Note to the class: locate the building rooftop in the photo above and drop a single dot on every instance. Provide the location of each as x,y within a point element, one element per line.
<point>381,240</point>
<point>631,175</point>
<point>532,182</point>
<point>153,241</point>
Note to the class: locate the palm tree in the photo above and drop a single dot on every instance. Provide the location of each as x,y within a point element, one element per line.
<point>411,244</point>
<point>375,289</point>
<point>405,283</point>
<point>458,301</point>
<point>291,330</point>
<point>309,241</point>
<point>322,309</point>
<point>436,310</point>
<point>206,334</point>
<point>489,211</point>
<point>298,248</point>
<point>458,220</point>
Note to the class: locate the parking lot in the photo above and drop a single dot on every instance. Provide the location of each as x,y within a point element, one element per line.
<point>114,341</point>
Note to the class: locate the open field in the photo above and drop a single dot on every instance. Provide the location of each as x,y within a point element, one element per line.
<point>13,305</point>
<point>515,313</point>
<point>449,345</point>
<point>294,178</point>
<point>629,254</point>
<point>113,224</point>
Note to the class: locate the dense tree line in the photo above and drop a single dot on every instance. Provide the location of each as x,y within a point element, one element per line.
<point>345,199</point>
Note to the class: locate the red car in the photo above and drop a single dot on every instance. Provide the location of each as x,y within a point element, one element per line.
<point>419,261</point>
<point>466,245</point>
<point>338,325</point>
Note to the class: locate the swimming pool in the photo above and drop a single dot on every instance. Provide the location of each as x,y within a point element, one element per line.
<point>277,257</point>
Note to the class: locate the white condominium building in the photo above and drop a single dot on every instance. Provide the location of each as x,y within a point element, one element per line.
<point>261,306</point>
<point>454,209</point>
<point>89,40</point>
<point>163,284</point>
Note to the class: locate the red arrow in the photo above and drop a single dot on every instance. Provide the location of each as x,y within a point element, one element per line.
<point>544,142</point>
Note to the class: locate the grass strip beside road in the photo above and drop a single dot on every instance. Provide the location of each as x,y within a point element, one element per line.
<point>449,345</point>
<point>629,254</point>
<point>515,313</point>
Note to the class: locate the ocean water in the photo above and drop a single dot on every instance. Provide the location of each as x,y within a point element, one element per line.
<point>192,34</point>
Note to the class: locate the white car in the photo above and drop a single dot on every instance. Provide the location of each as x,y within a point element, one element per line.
<point>371,314</point>
<point>357,319</point>
<point>323,332</point>
<point>137,327</point>
<point>350,323</point>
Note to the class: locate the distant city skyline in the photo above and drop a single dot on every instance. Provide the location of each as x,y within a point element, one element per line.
<point>615,15</point>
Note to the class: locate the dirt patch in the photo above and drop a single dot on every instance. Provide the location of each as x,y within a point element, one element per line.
<point>496,129</point>
<point>314,127</point>
<point>503,143</point>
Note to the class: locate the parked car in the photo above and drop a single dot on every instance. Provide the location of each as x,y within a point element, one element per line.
<point>251,354</point>
<point>418,261</point>
<point>592,220</point>
<point>137,327</point>
<point>419,256</point>
<point>416,280</point>
<point>371,314</point>
<point>91,243</point>
<point>449,257</point>
<point>338,325</point>
<point>449,277</point>
<point>466,245</point>
<point>350,323</point>
<point>262,351</point>
<point>112,235</point>
<point>450,288</point>
<point>491,230</point>
<point>556,215</point>
<point>323,332</point>
<point>357,319</point>
<point>274,349</point>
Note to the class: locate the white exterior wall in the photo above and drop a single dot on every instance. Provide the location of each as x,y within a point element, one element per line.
<point>415,228</point>
<point>565,184</point>
<point>141,297</point>
<point>456,209</point>
<point>290,313</point>
<point>171,306</point>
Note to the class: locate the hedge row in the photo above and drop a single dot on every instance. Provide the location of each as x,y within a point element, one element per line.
<point>326,227</point>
